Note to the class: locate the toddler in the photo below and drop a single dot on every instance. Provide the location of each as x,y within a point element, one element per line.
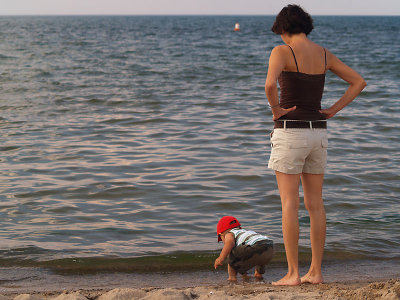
<point>245,249</point>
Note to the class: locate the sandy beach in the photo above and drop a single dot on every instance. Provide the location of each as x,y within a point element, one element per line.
<point>379,279</point>
<point>387,290</point>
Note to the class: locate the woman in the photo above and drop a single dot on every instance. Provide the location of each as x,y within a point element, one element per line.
<point>299,139</point>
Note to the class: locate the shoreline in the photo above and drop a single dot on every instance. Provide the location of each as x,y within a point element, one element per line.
<point>367,279</point>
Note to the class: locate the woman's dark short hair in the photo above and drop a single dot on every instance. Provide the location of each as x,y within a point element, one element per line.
<point>292,19</point>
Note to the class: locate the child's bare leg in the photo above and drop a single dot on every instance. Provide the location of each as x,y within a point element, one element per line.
<point>232,274</point>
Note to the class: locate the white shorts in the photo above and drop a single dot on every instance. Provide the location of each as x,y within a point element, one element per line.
<point>298,150</point>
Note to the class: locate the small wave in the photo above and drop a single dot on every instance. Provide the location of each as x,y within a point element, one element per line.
<point>8,148</point>
<point>116,193</point>
<point>132,121</point>
<point>2,56</point>
<point>96,101</point>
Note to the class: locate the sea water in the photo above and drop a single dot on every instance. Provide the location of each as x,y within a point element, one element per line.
<point>124,137</point>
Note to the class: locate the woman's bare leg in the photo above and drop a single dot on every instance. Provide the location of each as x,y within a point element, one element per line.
<point>312,187</point>
<point>288,185</point>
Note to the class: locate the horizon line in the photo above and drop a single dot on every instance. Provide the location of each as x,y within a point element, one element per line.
<point>188,15</point>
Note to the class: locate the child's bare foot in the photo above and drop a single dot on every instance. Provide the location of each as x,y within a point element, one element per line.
<point>288,280</point>
<point>258,276</point>
<point>311,278</point>
<point>245,277</point>
<point>232,275</point>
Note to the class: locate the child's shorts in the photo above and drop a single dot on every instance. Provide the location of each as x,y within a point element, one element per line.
<point>296,151</point>
<point>244,257</point>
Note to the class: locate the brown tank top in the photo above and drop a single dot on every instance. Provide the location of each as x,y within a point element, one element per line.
<point>303,91</point>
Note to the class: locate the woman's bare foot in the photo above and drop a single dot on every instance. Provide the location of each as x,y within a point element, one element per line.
<point>313,279</point>
<point>232,280</point>
<point>288,280</point>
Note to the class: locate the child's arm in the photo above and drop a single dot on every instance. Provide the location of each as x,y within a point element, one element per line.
<point>229,243</point>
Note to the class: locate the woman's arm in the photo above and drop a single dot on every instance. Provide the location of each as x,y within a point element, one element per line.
<point>275,68</point>
<point>356,82</point>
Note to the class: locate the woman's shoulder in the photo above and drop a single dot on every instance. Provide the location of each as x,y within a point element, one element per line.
<point>331,59</point>
<point>280,52</point>
<point>280,48</point>
<point>328,54</point>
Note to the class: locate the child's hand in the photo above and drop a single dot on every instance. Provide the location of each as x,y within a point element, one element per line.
<point>229,243</point>
<point>218,262</point>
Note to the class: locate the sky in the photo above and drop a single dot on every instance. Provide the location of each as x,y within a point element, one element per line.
<point>195,7</point>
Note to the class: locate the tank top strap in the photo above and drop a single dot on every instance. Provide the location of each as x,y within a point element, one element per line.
<point>325,58</point>
<point>294,56</point>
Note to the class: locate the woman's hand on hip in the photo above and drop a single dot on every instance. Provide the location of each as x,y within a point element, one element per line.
<point>329,112</point>
<point>278,112</point>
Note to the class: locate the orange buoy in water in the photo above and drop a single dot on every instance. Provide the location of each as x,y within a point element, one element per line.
<point>237,27</point>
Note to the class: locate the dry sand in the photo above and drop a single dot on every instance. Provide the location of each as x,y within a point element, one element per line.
<point>385,290</point>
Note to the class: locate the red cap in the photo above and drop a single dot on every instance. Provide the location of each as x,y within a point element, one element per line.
<point>226,223</point>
